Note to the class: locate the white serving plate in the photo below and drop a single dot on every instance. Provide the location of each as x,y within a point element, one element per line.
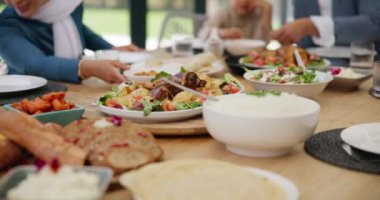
<point>164,116</point>
<point>134,57</point>
<point>363,136</point>
<point>123,56</point>
<point>254,66</point>
<point>332,52</point>
<point>347,83</point>
<point>287,185</point>
<point>18,83</point>
<point>172,68</point>
<point>305,90</point>
<point>242,46</point>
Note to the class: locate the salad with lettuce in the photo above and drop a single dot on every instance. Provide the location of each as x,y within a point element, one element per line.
<point>285,75</point>
<point>159,96</point>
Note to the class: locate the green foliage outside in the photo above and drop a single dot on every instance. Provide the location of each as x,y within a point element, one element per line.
<point>116,21</point>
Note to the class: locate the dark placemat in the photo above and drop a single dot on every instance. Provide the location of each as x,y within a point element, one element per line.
<point>233,63</point>
<point>31,94</point>
<point>326,146</point>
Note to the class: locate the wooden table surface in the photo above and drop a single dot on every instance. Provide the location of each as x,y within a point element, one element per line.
<point>315,179</point>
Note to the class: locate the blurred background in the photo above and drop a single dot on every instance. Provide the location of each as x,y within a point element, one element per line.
<point>114,20</point>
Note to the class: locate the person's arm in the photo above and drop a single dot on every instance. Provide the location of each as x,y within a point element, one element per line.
<point>363,27</point>
<point>26,58</point>
<point>93,41</point>
<point>295,31</point>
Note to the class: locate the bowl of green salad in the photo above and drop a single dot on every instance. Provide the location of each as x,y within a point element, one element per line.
<point>305,83</point>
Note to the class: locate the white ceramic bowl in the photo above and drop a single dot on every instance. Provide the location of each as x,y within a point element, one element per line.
<point>242,46</point>
<point>253,132</point>
<point>305,90</point>
<point>343,82</point>
<point>171,68</point>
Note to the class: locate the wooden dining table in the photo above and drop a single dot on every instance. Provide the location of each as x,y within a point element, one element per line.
<point>314,178</point>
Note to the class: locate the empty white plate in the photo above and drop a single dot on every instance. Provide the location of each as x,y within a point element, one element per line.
<point>134,57</point>
<point>18,83</point>
<point>363,136</point>
<point>332,52</point>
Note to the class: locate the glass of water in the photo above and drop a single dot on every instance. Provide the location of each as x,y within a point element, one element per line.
<point>362,54</point>
<point>182,45</point>
<point>375,91</point>
<point>3,67</point>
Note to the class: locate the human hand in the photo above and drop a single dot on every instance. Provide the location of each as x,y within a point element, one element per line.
<point>295,31</point>
<point>231,33</point>
<point>107,70</point>
<point>130,47</point>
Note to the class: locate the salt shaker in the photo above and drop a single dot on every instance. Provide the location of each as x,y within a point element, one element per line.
<point>214,44</point>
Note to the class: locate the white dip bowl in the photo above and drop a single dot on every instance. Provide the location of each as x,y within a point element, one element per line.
<point>239,47</point>
<point>308,90</point>
<point>264,126</point>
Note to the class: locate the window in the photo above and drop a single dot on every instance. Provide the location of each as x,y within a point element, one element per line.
<point>157,11</point>
<point>110,19</point>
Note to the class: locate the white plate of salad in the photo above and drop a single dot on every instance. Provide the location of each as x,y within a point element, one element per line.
<point>157,101</point>
<point>289,79</point>
<point>283,57</point>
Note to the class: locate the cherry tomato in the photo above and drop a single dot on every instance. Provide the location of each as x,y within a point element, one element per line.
<point>259,62</point>
<point>271,59</point>
<point>168,106</point>
<point>288,64</point>
<point>254,55</point>
<point>234,89</point>
<point>138,97</point>
<point>314,57</point>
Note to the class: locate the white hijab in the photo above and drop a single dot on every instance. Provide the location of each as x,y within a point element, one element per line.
<point>67,43</point>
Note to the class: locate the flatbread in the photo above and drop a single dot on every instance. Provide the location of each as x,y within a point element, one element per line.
<point>199,180</point>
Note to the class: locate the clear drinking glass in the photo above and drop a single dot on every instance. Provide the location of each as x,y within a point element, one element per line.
<point>362,54</point>
<point>182,45</point>
<point>3,67</point>
<point>375,91</point>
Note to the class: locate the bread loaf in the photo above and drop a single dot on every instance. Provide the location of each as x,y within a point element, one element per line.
<point>9,152</point>
<point>39,140</point>
<point>121,147</point>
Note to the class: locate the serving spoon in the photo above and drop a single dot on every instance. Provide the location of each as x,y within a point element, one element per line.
<point>298,58</point>
<point>189,90</point>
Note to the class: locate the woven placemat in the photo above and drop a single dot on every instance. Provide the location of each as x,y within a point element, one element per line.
<point>31,94</point>
<point>326,146</point>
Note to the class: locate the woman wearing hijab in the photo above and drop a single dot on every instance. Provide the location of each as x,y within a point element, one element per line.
<point>47,38</point>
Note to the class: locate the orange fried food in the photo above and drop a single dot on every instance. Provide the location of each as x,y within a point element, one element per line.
<point>54,101</point>
<point>53,95</point>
